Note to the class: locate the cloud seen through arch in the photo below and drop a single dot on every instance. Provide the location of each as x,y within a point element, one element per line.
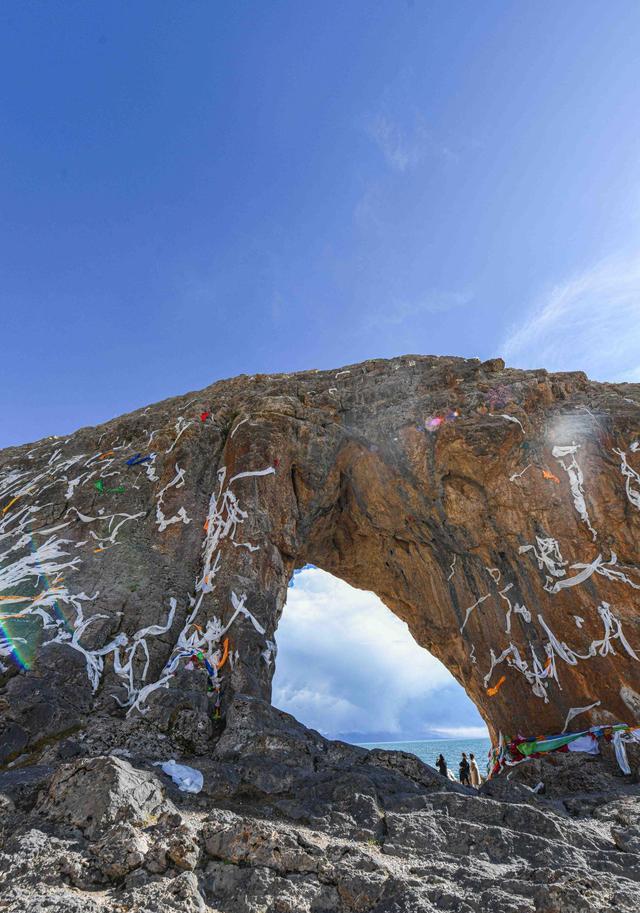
<point>348,667</point>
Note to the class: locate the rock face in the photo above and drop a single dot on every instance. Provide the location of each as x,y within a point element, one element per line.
<point>496,511</point>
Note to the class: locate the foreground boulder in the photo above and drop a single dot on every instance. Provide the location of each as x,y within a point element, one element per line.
<point>94,794</point>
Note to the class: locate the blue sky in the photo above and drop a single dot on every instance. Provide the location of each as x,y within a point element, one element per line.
<point>193,190</point>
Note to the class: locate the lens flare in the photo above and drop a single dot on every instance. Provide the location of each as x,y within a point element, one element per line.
<point>20,635</point>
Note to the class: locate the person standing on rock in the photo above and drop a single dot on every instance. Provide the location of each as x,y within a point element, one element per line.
<point>476,779</point>
<point>441,764</point>
<point>464,770</point>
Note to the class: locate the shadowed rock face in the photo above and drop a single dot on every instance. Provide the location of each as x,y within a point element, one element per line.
<point>507,537</point>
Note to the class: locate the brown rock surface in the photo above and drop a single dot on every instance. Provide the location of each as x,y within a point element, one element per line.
<point>469,529</point>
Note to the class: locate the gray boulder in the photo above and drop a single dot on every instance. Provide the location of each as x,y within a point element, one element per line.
<point>94,794</point>
<point>166,895</point>
<point>121,851</point>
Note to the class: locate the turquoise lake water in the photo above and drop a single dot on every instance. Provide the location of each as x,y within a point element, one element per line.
<point>429,749</point>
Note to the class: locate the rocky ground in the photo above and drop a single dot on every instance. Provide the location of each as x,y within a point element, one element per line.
<point>288,821</point>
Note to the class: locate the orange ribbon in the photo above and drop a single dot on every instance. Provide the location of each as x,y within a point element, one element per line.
<point>498,685</point>
<point>225,653</point>
<point>550,475</point>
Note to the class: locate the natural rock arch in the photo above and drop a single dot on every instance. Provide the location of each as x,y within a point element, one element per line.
<point>496,511</point>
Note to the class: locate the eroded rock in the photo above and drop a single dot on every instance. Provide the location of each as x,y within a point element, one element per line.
<point>122,849</point>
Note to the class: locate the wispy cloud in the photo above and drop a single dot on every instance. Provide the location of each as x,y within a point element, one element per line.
<point>401,148</point>
<point>346,664</point>
<point>404,145</point>
<point>400,311</point>
<point>590,322</point>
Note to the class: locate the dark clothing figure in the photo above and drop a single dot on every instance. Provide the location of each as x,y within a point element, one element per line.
<point>441,764</point>
<point>465,771</point>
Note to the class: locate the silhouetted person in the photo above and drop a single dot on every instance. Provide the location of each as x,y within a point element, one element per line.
<point>441,764</point>
<point>464,770</point>
<point>476,779</point>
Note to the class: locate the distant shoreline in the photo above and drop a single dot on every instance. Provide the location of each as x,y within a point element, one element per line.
<point>427,750</point>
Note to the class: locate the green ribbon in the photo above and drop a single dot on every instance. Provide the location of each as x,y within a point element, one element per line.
<point>99,486</point>
<point>527,748</point>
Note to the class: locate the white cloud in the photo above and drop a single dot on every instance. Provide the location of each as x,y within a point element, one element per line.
<point>590,322</point>
<point>347,664</point>
<point>462,732</point>
<point>317,708</point>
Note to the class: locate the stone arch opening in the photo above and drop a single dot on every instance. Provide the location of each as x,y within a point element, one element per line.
<point>437,526</point>
<point>348,667</point>
<point>367,522</point>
